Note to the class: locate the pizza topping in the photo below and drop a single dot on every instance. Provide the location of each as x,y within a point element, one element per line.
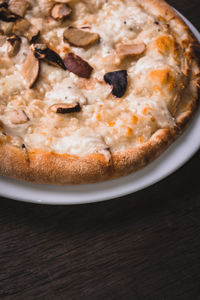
<point>1,126</point>
<point>41,51</point>
<point>77,65</point>
<point>31,69</point>
<point>13,45</point>
<point>80,38</point>
<point>128,50</point>
<point>60,11</point>
<point>66,91</point>
<point>3,3</point>
<point>18,7</point>
<point>118,80</point>
<point>24,28</point>
<point>64,108</point>
<point>6,27</point>
<point>18,117</point>
<point>104,121</point>
<point>5,14</point>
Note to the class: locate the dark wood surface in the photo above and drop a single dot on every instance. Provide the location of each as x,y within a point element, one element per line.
<point>142,246</point>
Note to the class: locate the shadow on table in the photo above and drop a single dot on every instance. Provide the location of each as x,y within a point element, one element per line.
<point>174,192</point>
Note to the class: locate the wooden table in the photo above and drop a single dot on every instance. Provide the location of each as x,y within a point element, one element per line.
<point>142,246</point>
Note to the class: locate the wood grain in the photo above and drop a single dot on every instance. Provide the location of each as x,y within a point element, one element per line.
<point>142,246</point>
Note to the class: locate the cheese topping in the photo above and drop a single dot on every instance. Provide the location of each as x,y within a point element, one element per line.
<point>155,80</point>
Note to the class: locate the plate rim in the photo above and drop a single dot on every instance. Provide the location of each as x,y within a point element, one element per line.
<point>104,196</point>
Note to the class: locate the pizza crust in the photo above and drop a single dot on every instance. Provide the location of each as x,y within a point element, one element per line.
<point>48,167</point>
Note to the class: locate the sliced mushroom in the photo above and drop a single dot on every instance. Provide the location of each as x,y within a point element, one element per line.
<point>60,11</point>
<point>13,45</point>
<point>31,69</point>
<point>64,108</point>
<point>80,38</point>
<point>18,7</point>
<point>77,65</point>
<point>6,27</point>
<point>1,125</point>
<point>6,15</point>
<point>118,80</point>
<point>3,3</point>
<point>126,50</point>
<point>41,51</point>
<point>25,28</point>
<point>18,117</point>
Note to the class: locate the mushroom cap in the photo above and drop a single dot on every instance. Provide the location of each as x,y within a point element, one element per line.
<point>60,11</point>
<point>77,65</point>
<point>31,69</point>
<point>65,108</point>
<point>80,38</point>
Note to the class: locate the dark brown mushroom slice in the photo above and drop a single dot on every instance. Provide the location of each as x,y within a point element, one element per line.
<point>18,7</point>
<point>77,65</point>
<point>80,38</point>
<point>13,45</point>
<point>3,3</point>
<point>41,51</point>
<point>118,80</point>
<point>31,69</point>
<point>60,11</point>
<point>6,15</point>
<point>129,50</point>
<point>24,28</point>
<point>65,108</point>
<point>1,125</point>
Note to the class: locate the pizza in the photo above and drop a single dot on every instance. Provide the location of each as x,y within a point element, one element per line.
<point>91,90</point>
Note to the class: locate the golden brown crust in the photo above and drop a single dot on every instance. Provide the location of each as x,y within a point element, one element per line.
<point>47,167</point>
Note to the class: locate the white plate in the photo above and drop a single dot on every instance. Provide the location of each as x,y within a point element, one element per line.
<point>172,159</point>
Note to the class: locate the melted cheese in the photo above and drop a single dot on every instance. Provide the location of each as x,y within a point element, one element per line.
<point>154,81</point>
